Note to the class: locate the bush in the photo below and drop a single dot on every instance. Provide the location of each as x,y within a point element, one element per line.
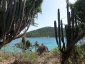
<point>23,39</point>
<point>29,56</point>
<point>55,51</point>
<point>81,51</point>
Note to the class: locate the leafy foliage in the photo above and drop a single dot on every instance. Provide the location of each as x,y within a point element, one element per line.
<point>80,53</point>
<point>79,7</point>
<point>81,49</point>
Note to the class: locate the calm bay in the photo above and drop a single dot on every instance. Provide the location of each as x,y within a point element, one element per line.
<point>50,42</point>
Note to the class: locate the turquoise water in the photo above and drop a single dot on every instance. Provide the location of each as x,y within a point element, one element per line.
<point>49,42</point>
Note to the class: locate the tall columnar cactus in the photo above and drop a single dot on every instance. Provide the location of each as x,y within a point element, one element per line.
<point>16,15</point>
<point>71,34</point>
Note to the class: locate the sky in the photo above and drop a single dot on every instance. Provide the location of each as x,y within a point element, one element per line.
<point>49,13</point>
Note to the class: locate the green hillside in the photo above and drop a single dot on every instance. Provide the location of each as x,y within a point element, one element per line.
<point>42,32</point>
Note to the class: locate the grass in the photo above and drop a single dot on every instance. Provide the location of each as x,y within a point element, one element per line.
<point>55,51</point>
<point>32,57</point>
<point>29,56</point>
<point>4,55</point>
<point>23,57</point>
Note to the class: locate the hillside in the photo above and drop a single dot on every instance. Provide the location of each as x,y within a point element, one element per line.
<point>42,32</point>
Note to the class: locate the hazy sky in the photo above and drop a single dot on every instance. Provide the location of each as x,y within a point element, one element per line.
<point>49,13</point>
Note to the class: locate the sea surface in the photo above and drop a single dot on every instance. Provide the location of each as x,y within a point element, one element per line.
<point>50,42</point>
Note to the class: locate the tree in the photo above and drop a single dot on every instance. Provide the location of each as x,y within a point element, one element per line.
<point>79,12</point>
<point>16,15</point>
<point>79,7</point>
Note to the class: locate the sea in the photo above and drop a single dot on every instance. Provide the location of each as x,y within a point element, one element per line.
<point>50,42</point>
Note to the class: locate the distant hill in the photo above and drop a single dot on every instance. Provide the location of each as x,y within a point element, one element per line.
<point>42,32</point>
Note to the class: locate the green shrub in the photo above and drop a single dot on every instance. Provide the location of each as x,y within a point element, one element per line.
<point>30,56</point>
<point>33,56</point>
<point>24,39</point>
<point>55,51</point>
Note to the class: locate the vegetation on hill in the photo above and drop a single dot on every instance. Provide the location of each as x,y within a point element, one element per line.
<point>42,32</point>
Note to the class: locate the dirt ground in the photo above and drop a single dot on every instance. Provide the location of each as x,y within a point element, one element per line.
<point>45,58</point>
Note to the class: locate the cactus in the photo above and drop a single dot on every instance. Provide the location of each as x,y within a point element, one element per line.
<point>72,35</point>
<point>16,15</point>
